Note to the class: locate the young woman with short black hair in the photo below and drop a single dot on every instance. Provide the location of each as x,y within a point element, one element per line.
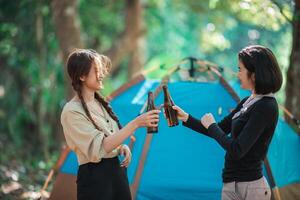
<point>251,124</point>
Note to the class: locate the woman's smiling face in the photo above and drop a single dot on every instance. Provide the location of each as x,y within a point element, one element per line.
<point>247,82</point>
<point>94,79</point>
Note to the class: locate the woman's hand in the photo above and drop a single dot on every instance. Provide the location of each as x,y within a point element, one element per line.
<point>181,115</point>
<point>207,120</point>
<point>125,151</point>
<point>148,119</point>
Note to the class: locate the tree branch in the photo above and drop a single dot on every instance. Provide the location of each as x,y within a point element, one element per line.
<point>281,11</point>
<point>133,31</point>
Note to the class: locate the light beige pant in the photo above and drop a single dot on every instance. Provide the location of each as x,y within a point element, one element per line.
<point>253,190</point>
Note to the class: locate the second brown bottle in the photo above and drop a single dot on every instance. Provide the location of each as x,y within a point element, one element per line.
<point>151,106</point>
<point>170,113</point>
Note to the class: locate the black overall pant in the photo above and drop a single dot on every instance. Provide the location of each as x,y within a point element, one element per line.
<point>105,180</point>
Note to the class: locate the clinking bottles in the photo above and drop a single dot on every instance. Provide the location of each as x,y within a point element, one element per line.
<point>171,114</point>
<point>150,106</point>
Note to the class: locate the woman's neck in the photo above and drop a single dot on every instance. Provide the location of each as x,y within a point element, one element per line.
<point>87,94</point>
<point>253,94</point>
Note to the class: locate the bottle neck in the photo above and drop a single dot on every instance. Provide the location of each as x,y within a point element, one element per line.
<point>150,101</point>
<point>166,91</point>
<point>167,96</point>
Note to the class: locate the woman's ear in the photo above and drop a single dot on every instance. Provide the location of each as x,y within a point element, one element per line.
<point>253,80</point>
<point>82,78</point>
<point>253,77</point>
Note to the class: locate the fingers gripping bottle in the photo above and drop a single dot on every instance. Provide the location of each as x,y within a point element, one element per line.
<point>171,114</point>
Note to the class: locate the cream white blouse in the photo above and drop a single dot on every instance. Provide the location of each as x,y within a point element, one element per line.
<point>81,135</point>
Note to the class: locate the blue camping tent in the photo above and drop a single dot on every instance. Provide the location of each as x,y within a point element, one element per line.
<point>177,163</point>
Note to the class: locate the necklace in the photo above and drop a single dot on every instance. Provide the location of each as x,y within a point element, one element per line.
<point>249,102</point>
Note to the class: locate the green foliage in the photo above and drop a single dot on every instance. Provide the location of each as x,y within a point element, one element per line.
<point>102,22</point>
<point>25,87</point>
<point>215,30</point>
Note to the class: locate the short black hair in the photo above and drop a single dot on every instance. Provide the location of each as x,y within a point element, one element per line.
<point>261,61</point>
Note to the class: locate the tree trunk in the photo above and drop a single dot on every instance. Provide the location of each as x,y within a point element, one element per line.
<point>129,39</point>
<point>137,58</point>
<point>67,28</point>
<point>293,75</point>
<point>39,107</point>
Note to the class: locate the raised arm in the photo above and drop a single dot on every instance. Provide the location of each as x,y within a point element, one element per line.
<point>196,125</point>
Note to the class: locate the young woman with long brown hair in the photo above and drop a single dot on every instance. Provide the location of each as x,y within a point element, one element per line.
<point>94,133</point>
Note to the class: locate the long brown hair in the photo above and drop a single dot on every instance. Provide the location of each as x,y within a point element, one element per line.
<point>79,64</point>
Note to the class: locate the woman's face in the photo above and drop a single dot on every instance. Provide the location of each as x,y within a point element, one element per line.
<point>246,81</point>
<point>93,80</point>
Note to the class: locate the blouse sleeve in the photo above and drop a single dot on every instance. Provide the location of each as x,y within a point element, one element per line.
<point>81,135</point>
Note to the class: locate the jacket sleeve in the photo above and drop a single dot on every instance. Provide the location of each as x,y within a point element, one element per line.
<point>224,124</point>
<point>254,127</point>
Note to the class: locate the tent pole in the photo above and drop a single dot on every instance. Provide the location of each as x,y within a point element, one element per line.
<point>275,189</point>
<point>122,88</point>
<point>64,152</point>
<point>146,146</point>
<point>140,168</point>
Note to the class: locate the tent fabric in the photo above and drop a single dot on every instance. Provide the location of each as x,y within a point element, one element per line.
<point>178,158</point>
<point>284,155</point>
<point>68,166</point>
<point>182,164</point>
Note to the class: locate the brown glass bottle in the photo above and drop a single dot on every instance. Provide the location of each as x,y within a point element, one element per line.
<point>150,106</point>
<point>171,114</point>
